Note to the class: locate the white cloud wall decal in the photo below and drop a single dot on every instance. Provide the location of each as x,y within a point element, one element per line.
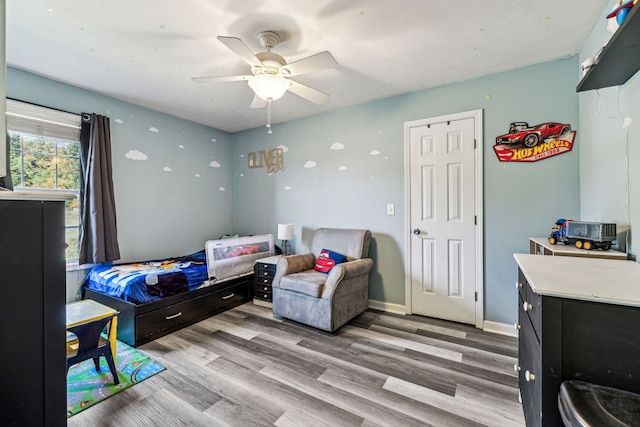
<point>374,152</point>
<point>167,169</point>
<point>337,146</point>
<point>342,168</point>
<point>310,164</point>
<point>152,129</point>
<point>214,164</point>
<point>284,148</point>
<point>222,189</point>
<point>136,155</point>
<point>118,121</point>
<point>287,187</point>
<point>181,146</point>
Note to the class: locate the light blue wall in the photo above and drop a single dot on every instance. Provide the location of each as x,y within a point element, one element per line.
<point>608,161</point>
<point>520,200</point>
<point>164,213</point>
<point>161,213</point>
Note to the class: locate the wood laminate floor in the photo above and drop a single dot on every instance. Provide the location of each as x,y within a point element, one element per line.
<point>244,368</point>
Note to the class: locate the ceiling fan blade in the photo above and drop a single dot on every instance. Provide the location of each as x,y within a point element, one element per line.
<point>220,79</point>
<point>258,102</point>
<point>319,61</point>
<point>241,49</point>
<point>308,93</point>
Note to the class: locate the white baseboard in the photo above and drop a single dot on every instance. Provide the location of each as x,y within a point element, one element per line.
<point>499,328</point>
<point>387,306</point>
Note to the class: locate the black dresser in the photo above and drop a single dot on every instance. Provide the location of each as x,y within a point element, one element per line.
<point>578,320</point>
<point>32,310</point>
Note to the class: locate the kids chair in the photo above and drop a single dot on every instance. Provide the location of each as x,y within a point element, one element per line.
<point>91,345</point>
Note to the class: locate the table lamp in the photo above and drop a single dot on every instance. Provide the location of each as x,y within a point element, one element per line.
<point>285,233</point>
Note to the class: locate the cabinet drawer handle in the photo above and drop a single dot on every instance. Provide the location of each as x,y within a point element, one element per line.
<point>518,285</point>
<point>526,306</point>
<point>516,367</point>
<point>229,296</point>
<point>516,326</point>
<point>529,376</point>
<point>173,316</point>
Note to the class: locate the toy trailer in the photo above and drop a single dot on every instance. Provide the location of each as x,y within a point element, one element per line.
<point>584,235</point>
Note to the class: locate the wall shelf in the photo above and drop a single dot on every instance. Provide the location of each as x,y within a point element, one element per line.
<point>620,58</point>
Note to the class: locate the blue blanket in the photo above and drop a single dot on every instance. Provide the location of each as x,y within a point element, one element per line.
<point>148,281</point>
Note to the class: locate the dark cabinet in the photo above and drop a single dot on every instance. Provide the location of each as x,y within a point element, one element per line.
<point>32,312</point>
<point>265,270</point>
<point>577,320</point>
<point>538,356</point>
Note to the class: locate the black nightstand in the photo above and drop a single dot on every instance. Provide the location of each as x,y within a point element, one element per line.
<point>265,269</point>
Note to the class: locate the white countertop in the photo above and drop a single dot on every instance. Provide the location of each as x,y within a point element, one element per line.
<point>590,279</point>
<point>35,195</point>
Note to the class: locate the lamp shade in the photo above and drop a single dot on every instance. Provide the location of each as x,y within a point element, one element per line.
<point>285,231</point>
<point>268,86</point>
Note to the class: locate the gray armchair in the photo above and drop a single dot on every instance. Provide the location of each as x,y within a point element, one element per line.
<point>325,300</point>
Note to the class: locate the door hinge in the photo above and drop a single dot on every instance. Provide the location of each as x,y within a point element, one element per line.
<point>475,143</point>
<point>475,220</point>
<point>476,296</point>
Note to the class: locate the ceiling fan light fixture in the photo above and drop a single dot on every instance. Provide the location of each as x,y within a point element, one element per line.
<point>269,87</point>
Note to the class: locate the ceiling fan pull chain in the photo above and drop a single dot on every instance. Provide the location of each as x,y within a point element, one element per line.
<point>269,115</point>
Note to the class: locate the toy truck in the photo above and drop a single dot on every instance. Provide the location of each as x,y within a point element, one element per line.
<point>584,235</point>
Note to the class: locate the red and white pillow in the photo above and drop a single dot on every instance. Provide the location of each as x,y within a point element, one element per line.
<point>327,260</point>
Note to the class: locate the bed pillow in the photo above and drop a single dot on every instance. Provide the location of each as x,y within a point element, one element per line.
<point>327,259</point>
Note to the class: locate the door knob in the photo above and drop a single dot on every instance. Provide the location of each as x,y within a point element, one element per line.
<point>416,231</point>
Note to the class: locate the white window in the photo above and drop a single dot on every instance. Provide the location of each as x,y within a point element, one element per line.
<point>45,156</point>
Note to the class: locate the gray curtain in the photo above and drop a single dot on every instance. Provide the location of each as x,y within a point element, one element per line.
<point>98,231</point>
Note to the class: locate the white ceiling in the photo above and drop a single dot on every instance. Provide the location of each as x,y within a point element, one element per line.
<point>145,52</point>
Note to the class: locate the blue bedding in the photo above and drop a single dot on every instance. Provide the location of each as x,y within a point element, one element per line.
<point>148,281</point>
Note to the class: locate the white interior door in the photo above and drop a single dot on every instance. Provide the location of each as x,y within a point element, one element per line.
<point>443,218</point>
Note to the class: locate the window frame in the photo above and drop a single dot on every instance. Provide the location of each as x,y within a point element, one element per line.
<point>35,121</point>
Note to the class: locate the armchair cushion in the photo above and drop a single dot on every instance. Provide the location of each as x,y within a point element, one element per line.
<point>327,260</point>
<point>308,282</point>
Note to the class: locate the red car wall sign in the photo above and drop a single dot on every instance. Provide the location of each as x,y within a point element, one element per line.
<point>526,143</point>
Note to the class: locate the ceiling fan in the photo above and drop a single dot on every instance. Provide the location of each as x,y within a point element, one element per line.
<point>270,72</point>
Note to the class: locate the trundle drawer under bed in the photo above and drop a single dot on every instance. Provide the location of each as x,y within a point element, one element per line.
<point>142,323</point>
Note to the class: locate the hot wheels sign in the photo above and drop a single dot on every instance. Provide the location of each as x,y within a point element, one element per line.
<point>526,143</point>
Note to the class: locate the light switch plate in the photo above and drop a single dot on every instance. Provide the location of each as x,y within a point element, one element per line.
<point>391,209</point>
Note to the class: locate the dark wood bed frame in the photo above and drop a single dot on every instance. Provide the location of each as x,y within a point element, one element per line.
<point>140,323</point>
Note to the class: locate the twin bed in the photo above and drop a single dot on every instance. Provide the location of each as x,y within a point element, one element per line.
<point>158,297</point>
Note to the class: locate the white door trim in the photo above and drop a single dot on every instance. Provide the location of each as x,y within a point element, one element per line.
<point>477,115</point>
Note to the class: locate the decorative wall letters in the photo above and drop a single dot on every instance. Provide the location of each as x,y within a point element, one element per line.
<point>273,159</point>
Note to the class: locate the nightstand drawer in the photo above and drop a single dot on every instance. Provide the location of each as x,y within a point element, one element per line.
<point>263,280</point>
<point>265,268</point>
<point>262,294</point>
<point>259,287</point>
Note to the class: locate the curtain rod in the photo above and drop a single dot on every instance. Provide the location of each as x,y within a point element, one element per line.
<point>45,106</point>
